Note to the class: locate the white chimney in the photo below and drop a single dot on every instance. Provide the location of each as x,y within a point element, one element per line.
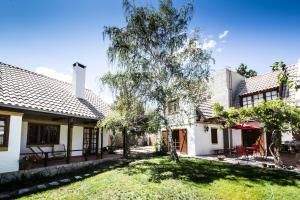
<point>78,80</point>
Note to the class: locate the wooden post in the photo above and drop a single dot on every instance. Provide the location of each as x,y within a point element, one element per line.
<point>69,142</point>
<point>97,142</point>
<point>101,144</point>
<point>46,159</point>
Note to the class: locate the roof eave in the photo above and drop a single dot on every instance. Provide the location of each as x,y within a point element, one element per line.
<point>44,111</point>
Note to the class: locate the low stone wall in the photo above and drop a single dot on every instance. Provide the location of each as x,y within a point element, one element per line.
<point>50,171</point>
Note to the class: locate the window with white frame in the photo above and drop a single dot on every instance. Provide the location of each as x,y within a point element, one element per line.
<point>271,95</point>
<point>258,98</point>
<point>247,101</point>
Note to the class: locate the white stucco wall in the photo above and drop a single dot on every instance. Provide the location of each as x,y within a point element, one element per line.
<point>105,138</point>
<point>286,137</point>
<point>236,137</point>
<point>63,135</point>
<point>224,85</point>
<point>297,92</point>
<point>77,140</point>
<point>203,145</point>
<point>9,160</point>
<point>24,138</point>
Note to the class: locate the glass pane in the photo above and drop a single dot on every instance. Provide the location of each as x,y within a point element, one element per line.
<point>1,130</point>
<point>54,134</point>
<point>1,139</point>
<point>2,122</point>
<point>32,134</point>
<point>44,135</point>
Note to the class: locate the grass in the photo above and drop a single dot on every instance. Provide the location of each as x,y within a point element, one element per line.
<point>160,178</point>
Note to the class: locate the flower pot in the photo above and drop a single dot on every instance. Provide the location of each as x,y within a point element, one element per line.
<point>265,165</point>
<point>221,158</point>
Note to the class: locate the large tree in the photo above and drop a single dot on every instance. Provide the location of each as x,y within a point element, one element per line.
<point>128,113</point>
<point>243,70</point>
<point>161,57</point>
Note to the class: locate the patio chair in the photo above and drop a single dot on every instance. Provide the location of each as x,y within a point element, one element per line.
<point>59,151</point>
<point>38,152</point>
<point>255,149</point>
<point>241,151</point>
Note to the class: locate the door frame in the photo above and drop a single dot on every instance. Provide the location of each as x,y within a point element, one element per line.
<point>93,145</point>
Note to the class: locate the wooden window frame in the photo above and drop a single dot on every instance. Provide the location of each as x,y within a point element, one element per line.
<point>39,135</point>
<point>171,105</point>
<point>6,119</point>
<point>257,93</point>
<point>214,140</point>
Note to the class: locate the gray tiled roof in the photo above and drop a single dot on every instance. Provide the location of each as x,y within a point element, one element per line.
<point>24,89</point>
<point>262,82</point>
<point>206,109</point>
<point>259,83</point>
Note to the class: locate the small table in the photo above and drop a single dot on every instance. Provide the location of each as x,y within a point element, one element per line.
<point>249,150</point>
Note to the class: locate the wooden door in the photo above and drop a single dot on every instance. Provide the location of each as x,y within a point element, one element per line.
<point>90,142</point>
<point>180,137</point>
<point>183,141</point>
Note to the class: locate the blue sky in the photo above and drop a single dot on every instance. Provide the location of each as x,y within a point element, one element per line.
<point>48,36</point>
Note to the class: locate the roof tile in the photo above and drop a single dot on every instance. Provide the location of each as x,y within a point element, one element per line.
<point>26,89</point>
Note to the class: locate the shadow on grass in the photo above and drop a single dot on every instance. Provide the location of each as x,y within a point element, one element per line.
<point>205,172</point>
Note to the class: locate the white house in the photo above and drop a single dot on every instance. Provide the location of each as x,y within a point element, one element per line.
<point>199,134</point>
<point>38,112</point>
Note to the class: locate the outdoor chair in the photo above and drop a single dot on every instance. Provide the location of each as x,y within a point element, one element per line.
<point>255,149</point>
<point>241,151</point>
<point>38,152</point>
<point>59,151</point>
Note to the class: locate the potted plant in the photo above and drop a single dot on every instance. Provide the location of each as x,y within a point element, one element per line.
<point>221,157</point>
<point>26,162</point>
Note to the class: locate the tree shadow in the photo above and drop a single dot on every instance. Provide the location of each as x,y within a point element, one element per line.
<point>205,172</point>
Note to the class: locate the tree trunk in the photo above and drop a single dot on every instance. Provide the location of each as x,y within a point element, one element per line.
<point>275,147</point>
<point>125,143</point>
<point>172,148</point>
<point>173,152</point>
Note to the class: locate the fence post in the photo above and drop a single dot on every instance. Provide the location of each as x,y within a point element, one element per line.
<point>46,159</point>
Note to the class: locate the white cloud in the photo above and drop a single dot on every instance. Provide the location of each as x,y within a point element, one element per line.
<point>54,74</point>
<point>210,44</point>
<point>219,49</point>
<point>224,34</point>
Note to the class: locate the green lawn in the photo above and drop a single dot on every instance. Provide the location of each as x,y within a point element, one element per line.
<point>161,178</point>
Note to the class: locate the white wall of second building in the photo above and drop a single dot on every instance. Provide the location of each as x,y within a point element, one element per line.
<point>9,160</point>
<point>203,143</point>
<point>236,137</point>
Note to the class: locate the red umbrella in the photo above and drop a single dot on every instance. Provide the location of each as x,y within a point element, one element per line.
<point>245,126</point>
